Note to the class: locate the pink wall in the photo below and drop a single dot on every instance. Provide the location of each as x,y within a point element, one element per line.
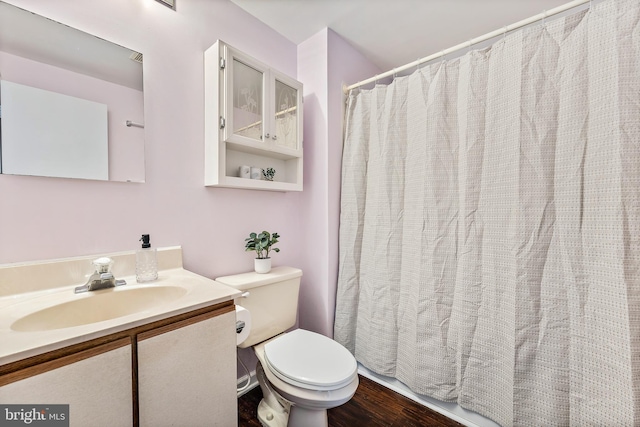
<point>126,144</point>
<point>44,218</point>
<point>313,312</point>
<point>325,63</point>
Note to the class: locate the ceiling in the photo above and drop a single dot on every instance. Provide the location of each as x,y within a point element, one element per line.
<point>391,33</point>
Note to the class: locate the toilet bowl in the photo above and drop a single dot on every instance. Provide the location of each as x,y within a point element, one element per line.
<point>311,372</point>
<point>301,373</point>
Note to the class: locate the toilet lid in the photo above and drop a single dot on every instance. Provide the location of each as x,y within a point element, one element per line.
<point>310,360</point>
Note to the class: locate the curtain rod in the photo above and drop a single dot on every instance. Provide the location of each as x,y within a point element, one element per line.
<point>470,43</point>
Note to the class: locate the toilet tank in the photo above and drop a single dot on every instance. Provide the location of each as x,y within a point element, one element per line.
<point>272,301</point>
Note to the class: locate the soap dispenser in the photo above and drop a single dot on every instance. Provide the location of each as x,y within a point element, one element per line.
<point>146,261</point>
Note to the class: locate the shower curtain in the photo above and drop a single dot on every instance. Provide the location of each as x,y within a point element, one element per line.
<point>490,225</point>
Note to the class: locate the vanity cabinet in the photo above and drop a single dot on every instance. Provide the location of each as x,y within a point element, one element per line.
<point>95,383</point>
<point>178,371</point>
<point>185,372</point>
<point>253,117</point>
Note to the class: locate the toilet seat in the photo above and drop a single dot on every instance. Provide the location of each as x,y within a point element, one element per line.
<point>309,360</point>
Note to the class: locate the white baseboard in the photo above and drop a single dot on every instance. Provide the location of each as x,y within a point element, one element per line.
<point>253,383</point>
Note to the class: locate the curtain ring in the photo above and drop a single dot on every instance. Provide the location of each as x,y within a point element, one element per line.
<point>504,32</point>
<point>544,17</point>
<point>442,56</point>
<point>469,46</point>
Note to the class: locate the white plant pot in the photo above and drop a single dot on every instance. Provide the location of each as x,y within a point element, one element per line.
<point>262,265</point>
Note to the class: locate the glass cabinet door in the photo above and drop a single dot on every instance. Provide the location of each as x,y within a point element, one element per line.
<point>247,92</point>
<point>262,107</point>
<point>285,132</point>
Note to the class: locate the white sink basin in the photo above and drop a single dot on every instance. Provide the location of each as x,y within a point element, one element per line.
<point>98,306</point>
<point>39,312</point>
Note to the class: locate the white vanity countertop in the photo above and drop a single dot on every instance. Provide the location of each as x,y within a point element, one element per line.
<point>15,345</point>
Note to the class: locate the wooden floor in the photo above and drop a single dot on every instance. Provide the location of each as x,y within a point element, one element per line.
<point>373,405</point>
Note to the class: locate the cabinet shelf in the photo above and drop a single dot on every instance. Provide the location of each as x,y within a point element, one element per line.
<point>256,149</point>
<point>253,117</point>
<point>254,184</point>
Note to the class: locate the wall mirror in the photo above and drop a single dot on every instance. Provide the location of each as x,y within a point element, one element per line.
<point>71,104</point>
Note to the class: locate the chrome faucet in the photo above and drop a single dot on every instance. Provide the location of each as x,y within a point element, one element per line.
<point>102,278</point>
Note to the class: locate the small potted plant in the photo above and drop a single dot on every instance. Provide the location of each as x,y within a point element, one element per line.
<point>262,244</point>
<point>268,173</point>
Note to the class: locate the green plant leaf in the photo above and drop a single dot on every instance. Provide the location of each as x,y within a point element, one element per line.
<point>262,243</point>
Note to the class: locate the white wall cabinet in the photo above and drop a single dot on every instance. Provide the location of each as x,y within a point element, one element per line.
<point>186,372</point>
<point>253,117</point>
<point>95,383</point>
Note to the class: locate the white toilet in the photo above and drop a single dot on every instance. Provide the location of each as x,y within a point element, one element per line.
<point>301,373</point>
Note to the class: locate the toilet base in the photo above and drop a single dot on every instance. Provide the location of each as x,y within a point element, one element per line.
<point>273,410</point>
<point>297,417</point>
<point>270,418</point>
<point>303,417</point>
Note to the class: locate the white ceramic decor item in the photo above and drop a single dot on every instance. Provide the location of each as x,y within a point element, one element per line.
<point>244,171</point>
<point>262,265</point>
<point>256,173</point>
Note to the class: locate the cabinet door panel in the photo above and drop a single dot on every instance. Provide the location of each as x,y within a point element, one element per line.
<point>286,109</point>
<point>247,101</point>
<point>244,109</point>
<point>187,376</point>
<point>97,389</point>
